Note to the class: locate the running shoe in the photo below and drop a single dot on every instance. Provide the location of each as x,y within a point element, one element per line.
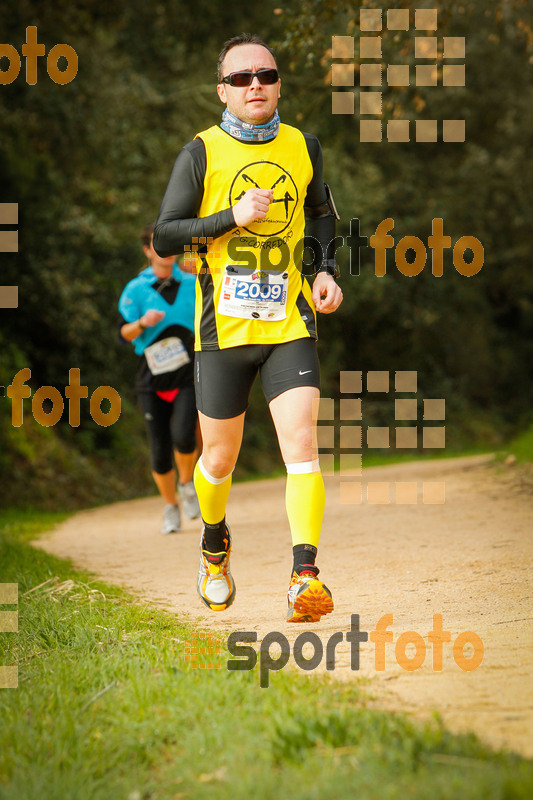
<point>171,519</point>
<point>189,500</point>
<point>308,598</point>
<point>216,586</point>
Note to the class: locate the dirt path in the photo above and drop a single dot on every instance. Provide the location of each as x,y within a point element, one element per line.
<point>469,560</point>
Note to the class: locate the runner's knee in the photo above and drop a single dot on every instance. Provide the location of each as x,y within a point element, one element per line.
<point>297,444</point>
<point>218,461</point>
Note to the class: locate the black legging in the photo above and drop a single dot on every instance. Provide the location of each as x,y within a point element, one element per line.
<point>171,426</point>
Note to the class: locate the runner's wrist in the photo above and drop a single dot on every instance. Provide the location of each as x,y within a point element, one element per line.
<point>141,324</point>
<point>329,266</point>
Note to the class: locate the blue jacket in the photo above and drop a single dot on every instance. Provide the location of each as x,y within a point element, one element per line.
<point>140,295</point>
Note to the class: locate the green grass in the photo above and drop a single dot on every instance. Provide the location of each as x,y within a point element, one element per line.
<point>521,447</point>
<point>108,708</point>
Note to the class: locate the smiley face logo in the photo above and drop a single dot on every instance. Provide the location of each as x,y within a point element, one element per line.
<point>267,175</point>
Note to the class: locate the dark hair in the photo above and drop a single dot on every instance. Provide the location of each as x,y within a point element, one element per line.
<point>244,38</point>
<point>146,235</point>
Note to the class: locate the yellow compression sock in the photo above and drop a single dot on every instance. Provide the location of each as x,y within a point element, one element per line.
<point>212,494</point>
<point>305,499</point>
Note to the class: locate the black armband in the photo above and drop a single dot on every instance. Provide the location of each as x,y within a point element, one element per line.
<point>327,209</point>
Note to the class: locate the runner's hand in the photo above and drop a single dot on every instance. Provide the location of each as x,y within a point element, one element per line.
<point>151,317</point>
<point>252,205</point>
<point>327,295</point>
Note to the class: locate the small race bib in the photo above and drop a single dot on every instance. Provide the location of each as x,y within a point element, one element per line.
<point>166,356</point>
<point>254,295</point>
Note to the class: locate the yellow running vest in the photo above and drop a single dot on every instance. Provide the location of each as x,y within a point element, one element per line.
<point>242,295</point>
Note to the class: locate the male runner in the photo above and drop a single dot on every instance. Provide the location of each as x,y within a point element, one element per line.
<point>255,184</point>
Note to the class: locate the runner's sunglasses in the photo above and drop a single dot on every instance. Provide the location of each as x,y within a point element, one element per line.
<point>245,77</point>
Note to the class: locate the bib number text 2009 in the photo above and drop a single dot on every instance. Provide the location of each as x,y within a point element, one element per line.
<point>258,291</point>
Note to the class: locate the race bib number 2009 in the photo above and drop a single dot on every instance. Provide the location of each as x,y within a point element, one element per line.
<point>260,295</point>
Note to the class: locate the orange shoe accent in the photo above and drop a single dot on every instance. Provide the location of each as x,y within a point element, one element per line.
<point>309,599</point>
<point>215,585</point>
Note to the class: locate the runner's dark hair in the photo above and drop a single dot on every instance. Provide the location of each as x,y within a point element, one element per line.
<point>243,38</point>
<point>147,233</point>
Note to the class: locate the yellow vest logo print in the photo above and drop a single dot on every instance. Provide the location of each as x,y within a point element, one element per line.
<point>267,175</point>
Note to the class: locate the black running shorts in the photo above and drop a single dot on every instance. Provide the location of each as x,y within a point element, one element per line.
<point>223,378</point>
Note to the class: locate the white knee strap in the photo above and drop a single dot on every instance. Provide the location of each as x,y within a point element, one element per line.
<point>303,467</point>
<point>210,478</point>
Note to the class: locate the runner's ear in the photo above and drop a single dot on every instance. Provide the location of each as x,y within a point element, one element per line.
<point>221,91</point>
